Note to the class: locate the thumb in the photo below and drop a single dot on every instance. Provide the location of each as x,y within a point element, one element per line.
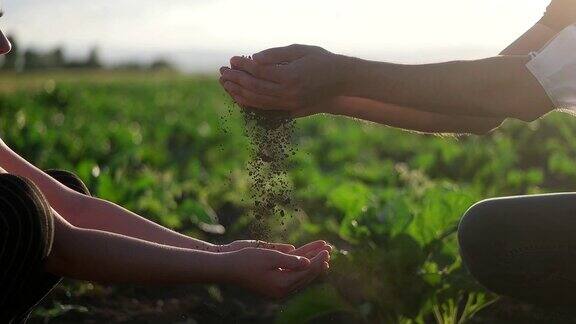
<point>289,262</point>
<point>280,55</point>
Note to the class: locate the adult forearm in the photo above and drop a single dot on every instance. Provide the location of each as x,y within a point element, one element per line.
<point>532,40</point>
<point>77,253</point>
<point>497,87</point>
<point>411,119</point>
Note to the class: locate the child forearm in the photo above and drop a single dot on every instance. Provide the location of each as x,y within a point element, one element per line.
<point>111,258</point>
<point>92,213</point>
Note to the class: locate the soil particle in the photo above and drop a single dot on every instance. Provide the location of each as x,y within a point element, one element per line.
<point>270,134</point>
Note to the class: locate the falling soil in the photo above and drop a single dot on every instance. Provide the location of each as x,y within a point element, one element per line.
<point>270,134</point>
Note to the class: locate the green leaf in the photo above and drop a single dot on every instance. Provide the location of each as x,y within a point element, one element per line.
<point>199,213</point>
<point>351,198</point>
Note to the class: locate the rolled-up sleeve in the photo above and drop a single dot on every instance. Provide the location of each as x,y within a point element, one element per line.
<point>554,66</point>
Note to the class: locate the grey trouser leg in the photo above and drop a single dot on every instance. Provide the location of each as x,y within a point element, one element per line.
<point>523,247</point>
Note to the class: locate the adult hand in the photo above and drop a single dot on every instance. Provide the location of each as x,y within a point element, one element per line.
<point>272,273</point>
<point>297,78</point>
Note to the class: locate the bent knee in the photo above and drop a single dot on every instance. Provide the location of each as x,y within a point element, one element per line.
<point>27,221</point>
<point>509,250</point>
<point>70,180</point>
<point>482,241</point>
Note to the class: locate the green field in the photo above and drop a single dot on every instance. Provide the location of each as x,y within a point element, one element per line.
<point>388,200</point>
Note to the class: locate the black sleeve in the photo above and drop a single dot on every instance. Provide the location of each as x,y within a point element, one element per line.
<point>560,14</point>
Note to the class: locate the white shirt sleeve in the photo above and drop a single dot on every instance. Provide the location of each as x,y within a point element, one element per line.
<point>554,66</point>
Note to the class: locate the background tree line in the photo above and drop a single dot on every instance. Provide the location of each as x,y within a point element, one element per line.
<point>20,60</point>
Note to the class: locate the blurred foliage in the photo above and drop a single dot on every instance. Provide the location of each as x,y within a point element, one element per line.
<point>173,150</point>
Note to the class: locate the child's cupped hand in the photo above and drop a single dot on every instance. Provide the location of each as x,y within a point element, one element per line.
<point>276,274</point>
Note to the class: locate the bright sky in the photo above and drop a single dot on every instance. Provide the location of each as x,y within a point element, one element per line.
<point>200,34</point>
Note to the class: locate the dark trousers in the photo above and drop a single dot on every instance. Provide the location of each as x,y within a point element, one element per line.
<point>523,247</point>
<point>26,236</point>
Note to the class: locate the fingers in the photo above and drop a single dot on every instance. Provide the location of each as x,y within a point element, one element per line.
<point>266,72</point>
<point>289,262</point>
<point>241,101</point>
<point>312,249</point>
<point>280,55</point>
<point>249,98</point>
<point>320,266</point>
<point>284,248</point>
<point>296,280</point>
<point>306,280</point>
<point>248,81</point>
<point>238,99</point>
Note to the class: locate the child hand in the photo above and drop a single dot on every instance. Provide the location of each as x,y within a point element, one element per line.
<point>312,249</point>
<point>272,273</point>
